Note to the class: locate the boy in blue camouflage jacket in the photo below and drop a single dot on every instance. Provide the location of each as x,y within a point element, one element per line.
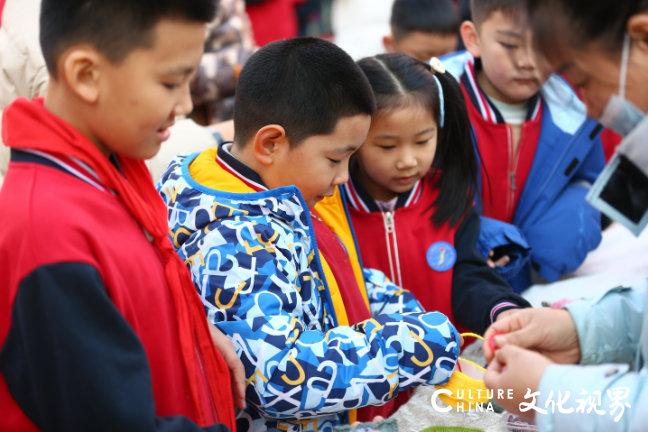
<point>243,216</point>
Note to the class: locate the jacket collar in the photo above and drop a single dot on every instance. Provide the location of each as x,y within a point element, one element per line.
<point>359,198</point>
<point>486,108</point>
<point>237,168</point>
<point>226,182</point>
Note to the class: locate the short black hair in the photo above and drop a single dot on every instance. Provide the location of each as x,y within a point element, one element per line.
<point>482,9</point>
<point>303,84</point>
<point>114,27</point>
<point>428,16</point>
<point>581,22</point>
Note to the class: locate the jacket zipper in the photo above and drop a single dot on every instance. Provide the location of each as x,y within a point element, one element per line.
<point>514,155</point>
<point>390,236</point>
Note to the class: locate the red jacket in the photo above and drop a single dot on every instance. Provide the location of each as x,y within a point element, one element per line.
<point>440,266</point>
<point>80,278</point>
<point>504,172</point>
<point>273,20</point>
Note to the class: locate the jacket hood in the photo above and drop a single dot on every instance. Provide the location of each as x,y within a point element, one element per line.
<point>201,191</point>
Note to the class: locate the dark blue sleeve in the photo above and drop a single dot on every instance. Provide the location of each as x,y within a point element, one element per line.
<point>476,287</point>
<point>73,363</point>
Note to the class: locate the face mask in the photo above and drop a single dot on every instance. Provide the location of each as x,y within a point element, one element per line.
<point>621,191</point>
<point>620,114</point>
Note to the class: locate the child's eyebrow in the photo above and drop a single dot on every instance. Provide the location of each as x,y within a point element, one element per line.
<point>431,129</point>
<point>347,149</point>
<point>510,33</point>
<point>180,70</point>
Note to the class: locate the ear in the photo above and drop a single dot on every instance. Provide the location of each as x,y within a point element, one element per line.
<point>79,68</point>
<point>388,43</point>
<point>638,30</point>
<point>269,142</point>
<point>471,38</point>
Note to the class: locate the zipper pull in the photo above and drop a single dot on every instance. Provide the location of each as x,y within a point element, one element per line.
<point>512,177</point>
<point>390,222</point>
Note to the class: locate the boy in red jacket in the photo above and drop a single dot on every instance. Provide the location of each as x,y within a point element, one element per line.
<point>100,326</point>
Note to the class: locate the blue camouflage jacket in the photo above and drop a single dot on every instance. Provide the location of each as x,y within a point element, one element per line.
<point>254,260</point>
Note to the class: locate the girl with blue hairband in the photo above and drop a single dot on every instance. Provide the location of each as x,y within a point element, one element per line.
<point>411,192</point>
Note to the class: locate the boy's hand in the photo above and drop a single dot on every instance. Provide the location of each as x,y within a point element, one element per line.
<point>551,333</point>
<point>516,369</point>
<point>502,262</point>
<point>226,348</point>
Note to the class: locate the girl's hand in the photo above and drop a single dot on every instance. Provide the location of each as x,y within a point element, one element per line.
<point>502,262</point>
<point>549,332</point>
<point>519,370</point>
<point>237,371</point>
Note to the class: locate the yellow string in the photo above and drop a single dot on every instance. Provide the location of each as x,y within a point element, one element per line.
<point>471,335</point>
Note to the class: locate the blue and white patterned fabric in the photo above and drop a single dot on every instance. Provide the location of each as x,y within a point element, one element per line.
<point>254,260</point>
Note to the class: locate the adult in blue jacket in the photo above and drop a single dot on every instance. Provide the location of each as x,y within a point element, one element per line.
<point>591,354</point>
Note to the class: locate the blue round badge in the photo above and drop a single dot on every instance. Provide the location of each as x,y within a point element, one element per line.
<point>441,256</point>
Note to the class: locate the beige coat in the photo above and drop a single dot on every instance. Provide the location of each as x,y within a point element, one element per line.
<point>23,73</point>
<point>22,66</point>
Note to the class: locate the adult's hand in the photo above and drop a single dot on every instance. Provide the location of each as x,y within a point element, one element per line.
<point>519,370</point>
<point>549,332</point>
<point>506,313</point>
<point>237,371</point>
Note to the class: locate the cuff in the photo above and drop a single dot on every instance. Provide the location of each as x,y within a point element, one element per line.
<point>600,341</point>
<point>501,307</point>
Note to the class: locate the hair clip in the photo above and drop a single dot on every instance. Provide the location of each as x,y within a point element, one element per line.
<point>436,64</point>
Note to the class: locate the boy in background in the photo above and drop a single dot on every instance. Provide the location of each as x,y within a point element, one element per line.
<point>423,28</point>
<point>100,326</point>
<point>540,152</point>
<point>318,336</point>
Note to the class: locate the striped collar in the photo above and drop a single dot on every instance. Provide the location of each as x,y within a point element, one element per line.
<point>488,110</point>
<point>229,163</point>
<point>68,164</point>
<point>359,198</point>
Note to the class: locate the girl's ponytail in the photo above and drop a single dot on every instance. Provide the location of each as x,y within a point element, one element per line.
<point>455,161</point>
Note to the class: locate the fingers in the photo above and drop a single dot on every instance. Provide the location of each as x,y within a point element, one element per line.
<point>493,373</point>
<point>461,341</point>
<point>503,262</point>
<point>489,261</point>
<point>238,383</point>
<point>237,371</point>
<point>508,326</point>
<point>498,365</point>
